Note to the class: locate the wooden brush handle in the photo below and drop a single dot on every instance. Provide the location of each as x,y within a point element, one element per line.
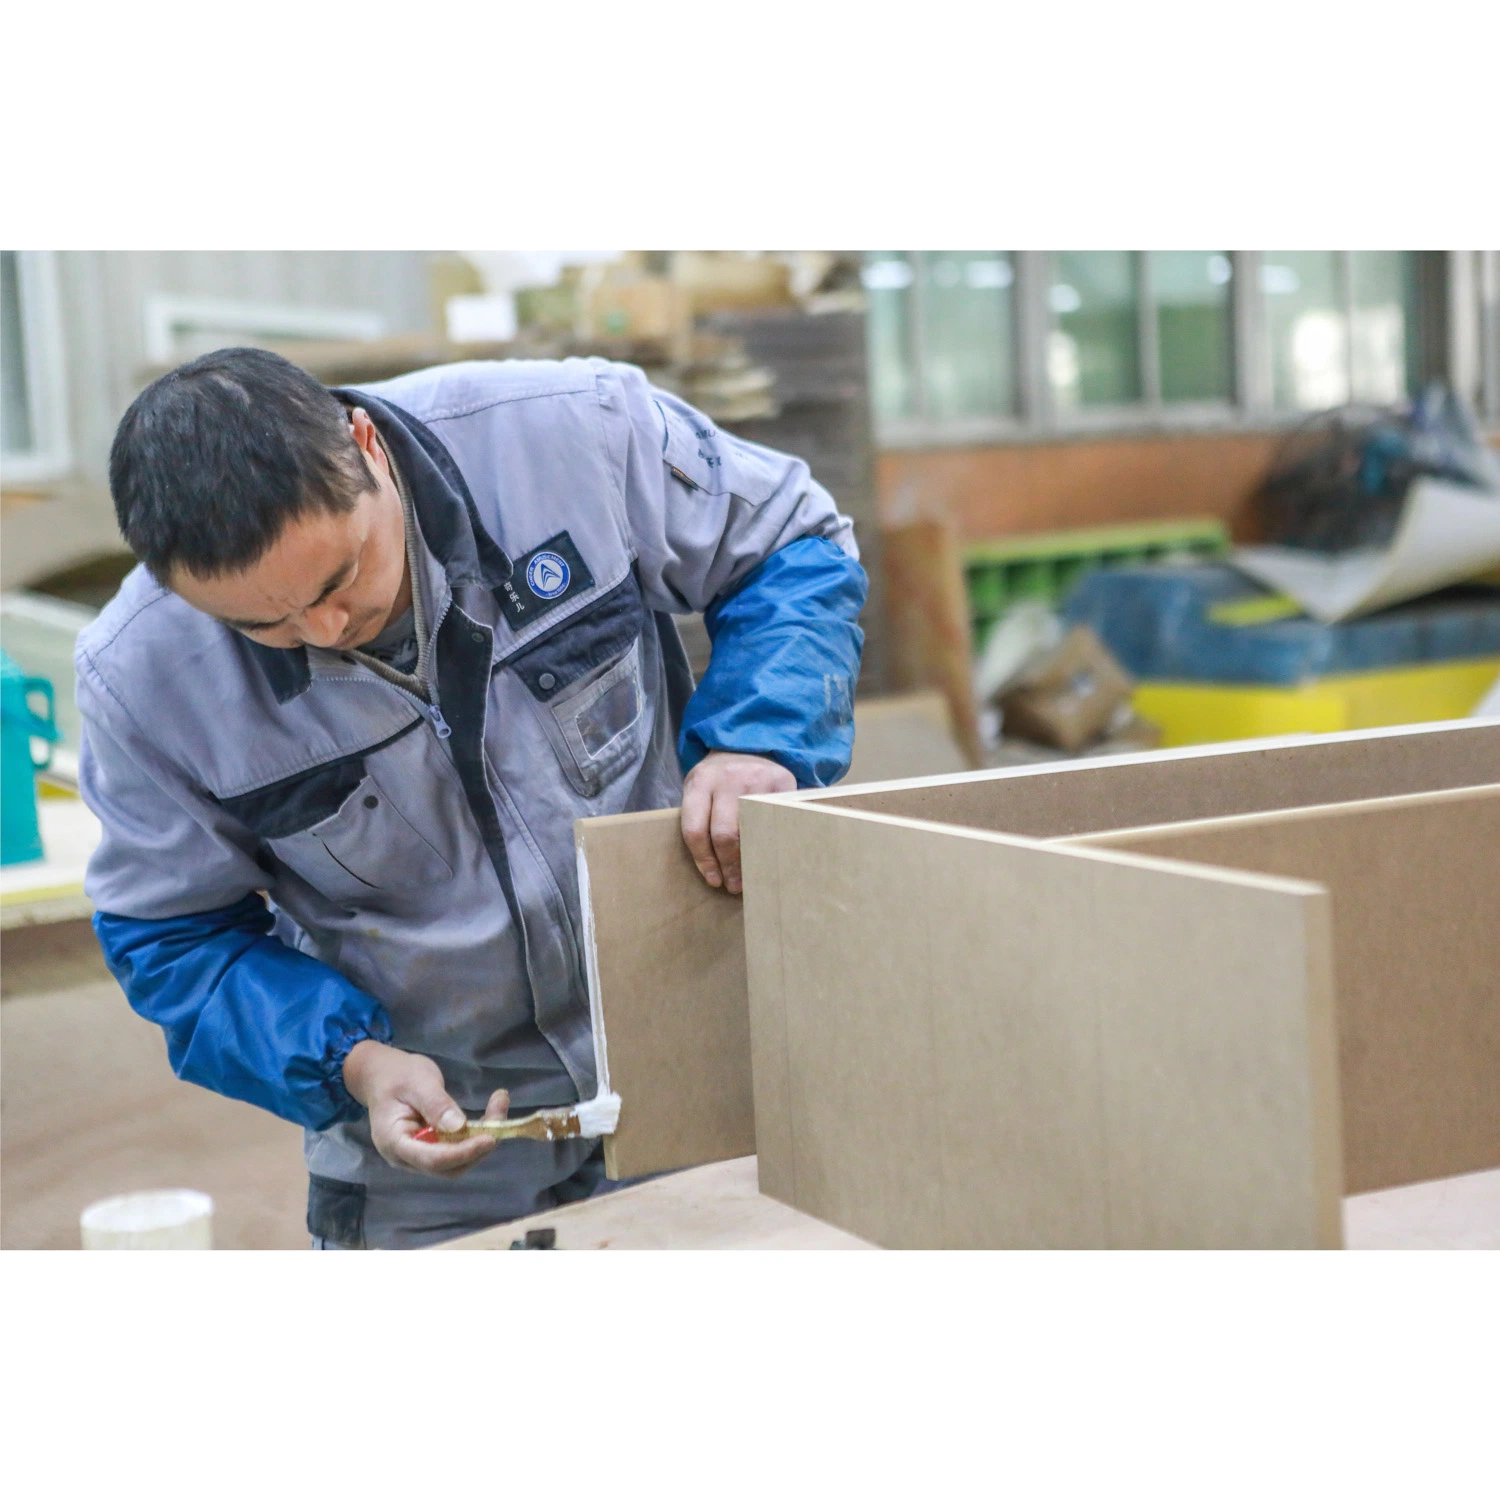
<point>544,1125</point>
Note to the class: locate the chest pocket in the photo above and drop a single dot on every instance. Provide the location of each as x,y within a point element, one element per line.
<point>584,680</point>
<point>337,828</point>
<point>366,846</point>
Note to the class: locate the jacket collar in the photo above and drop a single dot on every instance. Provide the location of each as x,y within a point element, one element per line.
<point>446,514</point>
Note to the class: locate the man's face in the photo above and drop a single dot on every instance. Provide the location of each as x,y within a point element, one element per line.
<point>329,580</point>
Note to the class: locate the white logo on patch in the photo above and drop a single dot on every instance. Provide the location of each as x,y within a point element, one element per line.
<point>547,574</point>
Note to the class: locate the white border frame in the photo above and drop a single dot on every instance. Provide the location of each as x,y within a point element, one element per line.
<point>50,457</point>
<point>165,317</point>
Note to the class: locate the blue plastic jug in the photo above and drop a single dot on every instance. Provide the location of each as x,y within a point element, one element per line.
<point>20,835</point>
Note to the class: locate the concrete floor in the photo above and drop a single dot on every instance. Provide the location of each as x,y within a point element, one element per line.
<point>89,1107</point>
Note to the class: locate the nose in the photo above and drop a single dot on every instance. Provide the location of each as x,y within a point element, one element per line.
<point>324,625</point>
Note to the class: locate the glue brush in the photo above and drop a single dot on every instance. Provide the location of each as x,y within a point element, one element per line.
<point>593,1117</point>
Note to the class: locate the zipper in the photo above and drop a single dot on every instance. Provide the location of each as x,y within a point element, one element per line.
<point>432,709</point>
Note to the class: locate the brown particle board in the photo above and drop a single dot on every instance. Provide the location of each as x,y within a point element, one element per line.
<point>1416,921</point>
<point>668,977</point>
<point>979,1041</point>
<point>714,1207</point>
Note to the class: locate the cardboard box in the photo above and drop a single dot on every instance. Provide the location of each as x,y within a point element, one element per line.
<point>1071,697</point>
<point>651,308</point>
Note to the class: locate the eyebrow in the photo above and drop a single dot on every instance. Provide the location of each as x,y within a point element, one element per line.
<point>333,583</point>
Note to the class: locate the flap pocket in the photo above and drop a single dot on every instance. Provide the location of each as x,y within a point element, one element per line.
<point>367,846</point>
<point>597,725</point>
<point>554,662</point>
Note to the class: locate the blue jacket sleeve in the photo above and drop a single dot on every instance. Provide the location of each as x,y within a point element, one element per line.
<point>786,650</point>
<point>244,1014</point>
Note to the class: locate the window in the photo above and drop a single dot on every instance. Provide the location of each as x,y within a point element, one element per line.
<point>887,278</point>
<point>33,398</point>
<point>1191,291</point>
<point>966,346</point>
<point>1342,326</point>
<point>1093,350</point>
<point>942,338</point>
<point>966,334</point>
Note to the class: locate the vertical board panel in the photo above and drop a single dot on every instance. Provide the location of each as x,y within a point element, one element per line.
<point>668,971</point>
<point>994,1043</point>
<point>1416,955</point>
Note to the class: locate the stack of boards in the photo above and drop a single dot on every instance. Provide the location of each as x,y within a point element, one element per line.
<point>1180,999</point>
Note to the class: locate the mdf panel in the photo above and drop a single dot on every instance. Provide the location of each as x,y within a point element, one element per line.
<point>667,978</point>
<point>861,1083</point>
<point>992,1043</point>
<point>1416,953</point>
<point>1204,782</point>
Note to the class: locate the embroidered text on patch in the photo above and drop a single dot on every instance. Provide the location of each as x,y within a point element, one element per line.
<point>543,579</point>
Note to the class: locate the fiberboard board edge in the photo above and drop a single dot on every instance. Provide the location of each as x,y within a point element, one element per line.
<point>1171,786</point>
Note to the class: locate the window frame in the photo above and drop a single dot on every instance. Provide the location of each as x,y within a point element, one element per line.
<point>1038,420</point>
<point>44,372</point>
<point>1487,300</point>
<point>165,317</point>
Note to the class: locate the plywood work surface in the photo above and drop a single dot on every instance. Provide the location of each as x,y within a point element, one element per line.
<point>669,969</point>
<point>716,1207</point>
<point>1416,919</point>
<point>962,1040</point>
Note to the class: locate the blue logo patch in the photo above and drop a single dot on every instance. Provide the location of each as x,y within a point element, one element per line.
<point>547,575</point>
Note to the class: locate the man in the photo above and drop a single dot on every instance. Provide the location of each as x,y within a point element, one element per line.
<point>386,644</point>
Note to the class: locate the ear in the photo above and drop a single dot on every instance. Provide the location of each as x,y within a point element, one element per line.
<point>366,440</point>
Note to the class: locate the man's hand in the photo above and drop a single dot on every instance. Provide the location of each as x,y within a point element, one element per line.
<point>711,809</point>
<point>403,1092</point>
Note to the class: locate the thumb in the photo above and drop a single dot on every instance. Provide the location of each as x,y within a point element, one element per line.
<point>432,1101</point>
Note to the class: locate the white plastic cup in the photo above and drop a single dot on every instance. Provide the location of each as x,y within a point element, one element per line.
<point>168,1219</point>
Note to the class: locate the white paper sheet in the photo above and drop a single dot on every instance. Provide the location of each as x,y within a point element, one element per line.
<point>1448,532</point>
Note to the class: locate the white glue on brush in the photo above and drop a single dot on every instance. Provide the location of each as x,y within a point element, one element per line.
<point>593,1117</point>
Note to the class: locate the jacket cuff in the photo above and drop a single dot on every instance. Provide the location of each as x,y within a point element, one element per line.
<point>344,1105</point>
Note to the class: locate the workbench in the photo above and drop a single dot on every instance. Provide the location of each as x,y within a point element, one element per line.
<point>41,891</point>
<point>719,1207</point>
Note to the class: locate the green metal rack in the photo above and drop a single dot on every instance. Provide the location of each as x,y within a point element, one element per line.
<point>1044,566</point>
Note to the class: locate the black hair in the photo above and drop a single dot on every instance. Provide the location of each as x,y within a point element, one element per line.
<point>211,461</point>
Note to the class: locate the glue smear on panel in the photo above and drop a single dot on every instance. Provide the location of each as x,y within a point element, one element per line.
<point>601,1114</point>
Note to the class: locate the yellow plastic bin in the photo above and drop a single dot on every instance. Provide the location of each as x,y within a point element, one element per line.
<point>1200,713</point>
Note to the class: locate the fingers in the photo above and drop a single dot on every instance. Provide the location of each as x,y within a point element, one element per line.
<point>433,1102</point>
<point>437,1160</point>
<point>724,829</point>
<point>422,1099</point>
<point>499,1106</point>
<point>697,806</point>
